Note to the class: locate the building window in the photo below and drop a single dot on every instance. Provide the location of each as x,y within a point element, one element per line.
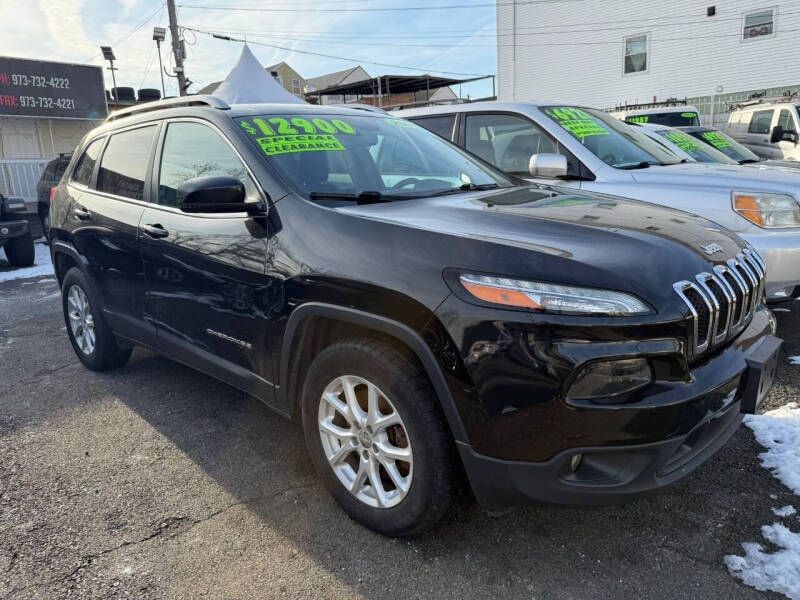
<point>636,54</point>
<point>296,86</point>
<point>759,23</point>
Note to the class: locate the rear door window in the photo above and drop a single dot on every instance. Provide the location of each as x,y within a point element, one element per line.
<point>123,167</point>
<point>440,125</point>
<point>760,121</point>
<point>85,167</point>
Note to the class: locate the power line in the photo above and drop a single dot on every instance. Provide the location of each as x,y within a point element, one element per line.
<point>130,32</point>
<point>373,9</point>
<point>355,60</point>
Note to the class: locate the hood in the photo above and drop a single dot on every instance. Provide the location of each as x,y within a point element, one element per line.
<point>728,177</point>
<point>590,237</point>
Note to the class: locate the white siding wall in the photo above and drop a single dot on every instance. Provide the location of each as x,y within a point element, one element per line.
<point>573,51</point>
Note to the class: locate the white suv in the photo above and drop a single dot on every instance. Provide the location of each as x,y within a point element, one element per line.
<point>769,130</point>
<point>590,150</point>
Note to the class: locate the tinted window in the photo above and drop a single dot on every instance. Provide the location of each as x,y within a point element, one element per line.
<point>760,121</point>
<point>85,167</point>
<point>124,165</point>
<point>670,119</point>
<point>442,125</point>
<point>507,141</point>
<point>60,168</point>
<point>193,150</point>
<point>725,144</point>
<point>786,121</point>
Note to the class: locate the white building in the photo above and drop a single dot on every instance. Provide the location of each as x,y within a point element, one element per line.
<point>605,53</point>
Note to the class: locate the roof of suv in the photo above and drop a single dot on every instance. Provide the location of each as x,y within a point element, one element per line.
<point>476,106</point>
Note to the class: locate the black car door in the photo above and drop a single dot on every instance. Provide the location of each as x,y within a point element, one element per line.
<point>206,290</point>
<point>104,219</point>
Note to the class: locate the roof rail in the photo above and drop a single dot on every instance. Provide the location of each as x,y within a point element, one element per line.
<point>198,100</point>
<point>755,99</point>
<point>669,102</point>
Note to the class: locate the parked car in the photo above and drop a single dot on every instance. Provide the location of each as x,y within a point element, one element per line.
<point>683,145</point>
<point>15,234</point>
<point>590,150</point>
<point>732,149</point>
<point>768,129</point>
<point>50,177</point>
<point>412,305</point>
<point>672,116</point>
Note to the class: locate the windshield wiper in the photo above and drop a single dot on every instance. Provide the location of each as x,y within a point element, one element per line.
<point>468,187</point>
<point>745,161</point>
<point>365,197</point>
<point>641,165</point>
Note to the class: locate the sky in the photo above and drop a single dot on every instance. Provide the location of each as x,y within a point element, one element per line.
<point>458,40</point>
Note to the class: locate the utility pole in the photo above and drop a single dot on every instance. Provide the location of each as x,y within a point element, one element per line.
<point>177,47</point>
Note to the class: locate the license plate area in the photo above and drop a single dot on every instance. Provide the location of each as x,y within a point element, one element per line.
<point>762,365</point>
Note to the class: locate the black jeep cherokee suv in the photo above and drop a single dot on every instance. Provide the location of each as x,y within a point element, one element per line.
<point>415,308</point>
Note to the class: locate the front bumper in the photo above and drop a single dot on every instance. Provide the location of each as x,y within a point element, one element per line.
<point>781,251</point>
<point>12,229</point>
<point>635,448</point>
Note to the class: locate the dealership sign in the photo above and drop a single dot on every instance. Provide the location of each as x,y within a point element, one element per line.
<point>35,88</point>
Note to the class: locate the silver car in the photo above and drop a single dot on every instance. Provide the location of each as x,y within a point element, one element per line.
<point>591,150</point>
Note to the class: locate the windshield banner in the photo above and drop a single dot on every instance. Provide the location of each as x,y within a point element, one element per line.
<point>579,123</point>
<point>683,141</point>
<point>279,135</point>
<point>716,139</point>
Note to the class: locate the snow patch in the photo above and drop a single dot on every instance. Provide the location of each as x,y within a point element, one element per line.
<point>42,266</point>
<point>786,511</point>
<point>777,570</point>
<point>795,360</point>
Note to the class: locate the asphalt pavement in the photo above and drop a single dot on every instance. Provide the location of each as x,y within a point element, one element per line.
<point>156,481</point>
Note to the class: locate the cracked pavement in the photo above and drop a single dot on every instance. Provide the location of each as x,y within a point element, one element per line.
<point>155,481</point>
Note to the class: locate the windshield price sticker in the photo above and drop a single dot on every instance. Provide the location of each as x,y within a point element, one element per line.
<point>689,115</point>
<point>641,119</point>
<point>683,141</point>
<point>579,123</point>
<point>281,135</point>
<point>716,139</point>
<point>401,123</point>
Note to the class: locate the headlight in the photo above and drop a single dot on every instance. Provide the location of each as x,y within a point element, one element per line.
<point>551,297</point>
<point>770,211</point>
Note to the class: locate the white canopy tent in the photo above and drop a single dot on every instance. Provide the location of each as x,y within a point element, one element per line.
<point>249,83</point>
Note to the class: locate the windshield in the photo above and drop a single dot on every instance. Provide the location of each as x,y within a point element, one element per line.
<point>614,142</point>
<point>368,155</point>
<point>670,119</point>
<point>699,151</point>
<point>726,144</point>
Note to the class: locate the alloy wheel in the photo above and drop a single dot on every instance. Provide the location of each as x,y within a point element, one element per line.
<point>365,441</point>
<point>81,319</point>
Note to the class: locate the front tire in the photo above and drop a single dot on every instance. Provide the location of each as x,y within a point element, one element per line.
<point>20,251</point>
<point>88,332</point>
<point>377,437</point>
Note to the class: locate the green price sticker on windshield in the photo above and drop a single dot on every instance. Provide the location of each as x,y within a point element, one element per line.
<point>689,115</point>
<point>716,139</point>
<point>401,123</point>
<point>286,135</point>
<point>578,122</point>
<point>642,119</point>
<point>683,141</point>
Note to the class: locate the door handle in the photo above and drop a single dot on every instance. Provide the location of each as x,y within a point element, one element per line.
<point>155,230</point>
<point>81,213</point>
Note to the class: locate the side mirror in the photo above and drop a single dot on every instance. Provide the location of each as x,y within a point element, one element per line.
<point>776,135</point>
<point>550,166</point>
<point>214,195</point>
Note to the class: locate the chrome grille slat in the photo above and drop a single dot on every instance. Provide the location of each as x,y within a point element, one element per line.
<point>721,303</point>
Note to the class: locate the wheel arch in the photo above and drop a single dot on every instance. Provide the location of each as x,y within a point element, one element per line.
<point>65,256</point>
<point>357,321</point>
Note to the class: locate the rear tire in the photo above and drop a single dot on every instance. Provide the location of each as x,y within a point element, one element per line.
<point>409,496</point>
<point>91,338</point>
<point>20,251</point>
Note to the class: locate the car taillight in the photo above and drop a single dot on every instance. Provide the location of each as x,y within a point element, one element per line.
<point>52,193</point>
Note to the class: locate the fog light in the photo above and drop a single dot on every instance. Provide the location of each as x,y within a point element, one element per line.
<point>611,378</point>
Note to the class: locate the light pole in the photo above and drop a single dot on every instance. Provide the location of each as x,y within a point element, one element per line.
<point>159,34</point>
<point>108,54</point>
